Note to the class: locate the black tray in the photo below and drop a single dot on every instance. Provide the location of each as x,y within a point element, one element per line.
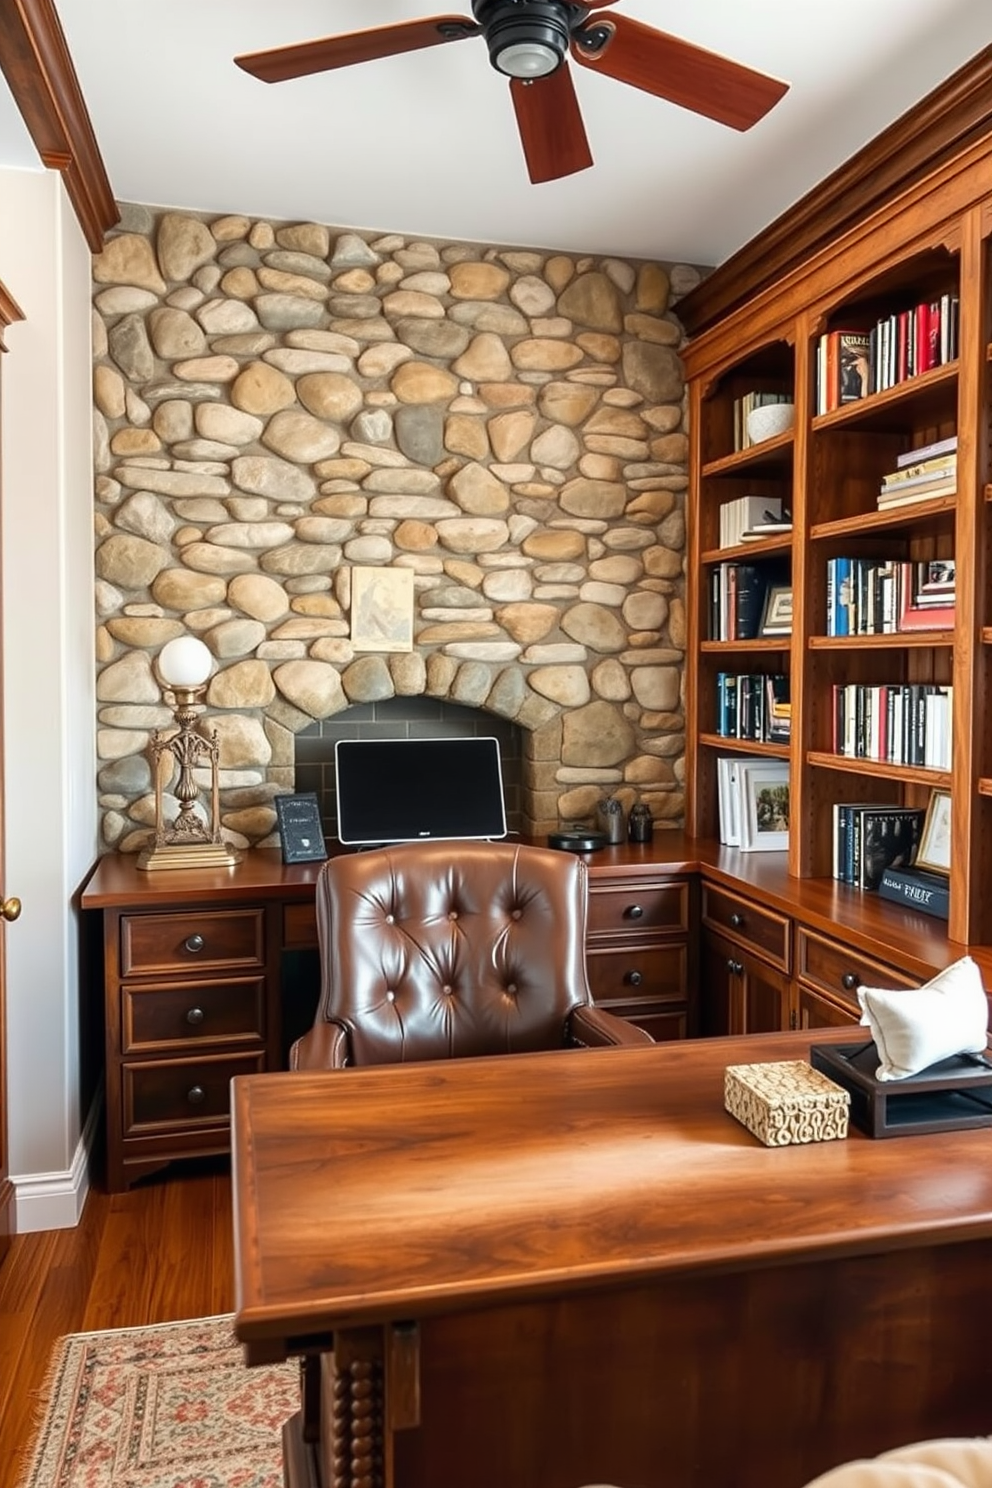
<point>949,1096</point>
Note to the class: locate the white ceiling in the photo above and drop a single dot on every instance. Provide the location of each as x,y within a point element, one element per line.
<point>426,143</point>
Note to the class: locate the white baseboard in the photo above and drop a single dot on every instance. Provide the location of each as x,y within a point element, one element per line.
<point>54,1201</point>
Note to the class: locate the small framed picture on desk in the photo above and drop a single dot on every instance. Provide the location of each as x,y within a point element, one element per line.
<point>301,828</point>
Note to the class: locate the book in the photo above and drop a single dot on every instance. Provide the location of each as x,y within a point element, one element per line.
<point>888,838</point>
<point>927,451</point>
<point>927,492</point>
<point>914,476</point>
<point>914,889</point>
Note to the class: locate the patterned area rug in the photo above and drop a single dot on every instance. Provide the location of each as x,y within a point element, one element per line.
<point>172,1406</point>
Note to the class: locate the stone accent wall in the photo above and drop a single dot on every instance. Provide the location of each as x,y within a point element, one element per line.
<point>277,403</point>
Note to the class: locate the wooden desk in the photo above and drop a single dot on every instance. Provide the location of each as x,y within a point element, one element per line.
<point>552,1270</point>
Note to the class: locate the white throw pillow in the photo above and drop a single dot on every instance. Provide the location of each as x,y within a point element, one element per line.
<point>916,1028</point>
<point>964,1462</point>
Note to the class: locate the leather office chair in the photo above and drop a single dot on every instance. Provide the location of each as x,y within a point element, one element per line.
<point>447,949</point>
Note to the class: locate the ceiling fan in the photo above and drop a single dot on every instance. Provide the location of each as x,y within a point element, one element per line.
<point>528,42</point>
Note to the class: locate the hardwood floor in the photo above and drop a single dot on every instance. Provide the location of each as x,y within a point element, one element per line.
<point>160,1252</point>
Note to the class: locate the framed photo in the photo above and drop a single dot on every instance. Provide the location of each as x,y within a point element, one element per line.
<point>934,851</point>
<point>776,618</point>
<point>382,609</point>
<point>301,828</point>
<point>764,805</point>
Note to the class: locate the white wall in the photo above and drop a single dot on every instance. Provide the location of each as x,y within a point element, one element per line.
<point>46,529</point>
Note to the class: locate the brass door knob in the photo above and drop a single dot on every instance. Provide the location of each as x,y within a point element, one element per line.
<point>11,909</point>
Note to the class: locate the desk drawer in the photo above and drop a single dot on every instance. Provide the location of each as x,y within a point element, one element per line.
<point>183,1093</point>
<point>299,926</point>
<point>632,973</point>
<point>626,908</point>
<point>834,968</point>
<point>760,930</point>
<point>194,939</point>
<point>185,1013</point>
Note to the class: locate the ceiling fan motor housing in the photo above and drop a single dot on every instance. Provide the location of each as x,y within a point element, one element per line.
<point>526,38</point>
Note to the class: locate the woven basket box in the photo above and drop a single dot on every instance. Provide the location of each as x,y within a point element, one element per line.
<point>786,1102</point>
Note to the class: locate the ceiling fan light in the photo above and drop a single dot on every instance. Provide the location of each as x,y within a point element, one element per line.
<point>526,59</point>
<point>526,38</point>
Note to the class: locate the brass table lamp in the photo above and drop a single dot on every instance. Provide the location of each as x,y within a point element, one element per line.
<point>187,841</point>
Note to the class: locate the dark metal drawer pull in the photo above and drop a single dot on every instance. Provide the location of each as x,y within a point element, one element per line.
<point>633,912</point>
<point>196,1095</point>
<point>194,943</point>
<point>194,1016</point>
<point>737,921</point>
<point>634,978</point>
<point>736,968</point>
<point>850,980</point>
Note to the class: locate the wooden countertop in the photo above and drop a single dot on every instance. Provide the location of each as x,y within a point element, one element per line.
<point>866,922</point>
<point>398,1192</point>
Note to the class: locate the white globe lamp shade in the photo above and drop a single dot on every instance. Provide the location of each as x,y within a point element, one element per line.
<point>184,662</point>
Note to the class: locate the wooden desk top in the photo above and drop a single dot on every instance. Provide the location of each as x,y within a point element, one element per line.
<point>371,1194</point>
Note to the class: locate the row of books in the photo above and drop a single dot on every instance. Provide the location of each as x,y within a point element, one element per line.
<point>753,706</point>
<point>744,405</point>
<point>868,838</point>
<point>737,599</point>
<point>749,518</point>
<point>883,596</point>
<point>753,802</point>
<point>921,474</point>
<point>854,361</point>
<point>898,724</point>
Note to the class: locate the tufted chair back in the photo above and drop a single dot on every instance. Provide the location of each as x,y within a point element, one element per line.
<point>448,949</point>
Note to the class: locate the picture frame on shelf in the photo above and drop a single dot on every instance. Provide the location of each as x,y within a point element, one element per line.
<point>776,617</point>
<point>764,805</point>
<point>934,851</point>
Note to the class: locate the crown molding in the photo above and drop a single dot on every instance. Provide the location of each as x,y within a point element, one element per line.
<point>9,312</point>
<point>947,121</point>
<point>35,60</point>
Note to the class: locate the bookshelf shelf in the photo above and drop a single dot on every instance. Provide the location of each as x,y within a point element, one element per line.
<point>744,648</point>
<point>744,746</point>
<point>924,639</point>
<point>771,454</point>
<point>765,547</point>
<point>884,521</point>
<point>930,395</point>
<point>880,769</point>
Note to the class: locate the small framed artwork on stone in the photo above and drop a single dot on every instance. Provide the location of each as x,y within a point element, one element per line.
<point>382,609</point>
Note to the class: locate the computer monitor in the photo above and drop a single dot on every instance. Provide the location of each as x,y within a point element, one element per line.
<point>414,790</point>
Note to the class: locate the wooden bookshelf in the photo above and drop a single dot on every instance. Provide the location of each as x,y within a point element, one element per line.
<point>929,246</point>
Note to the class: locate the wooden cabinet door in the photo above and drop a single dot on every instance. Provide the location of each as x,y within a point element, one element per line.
<point>739,992</point>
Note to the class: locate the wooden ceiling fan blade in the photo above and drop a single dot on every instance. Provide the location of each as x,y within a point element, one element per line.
<point>282,63</point>
<point>671,68</point>
<point>550,124</point>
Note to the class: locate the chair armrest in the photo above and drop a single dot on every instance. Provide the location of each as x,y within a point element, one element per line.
<point>323,1047</point>
<point>592,1027</point>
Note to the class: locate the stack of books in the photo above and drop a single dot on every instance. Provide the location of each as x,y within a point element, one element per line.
<point>737,599</point>
<point>752,517</point>
<point>753,706</point>
<point>882,596</point>
<point>898,723</point>
<point>868,838</point>
<point>922,474</point>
